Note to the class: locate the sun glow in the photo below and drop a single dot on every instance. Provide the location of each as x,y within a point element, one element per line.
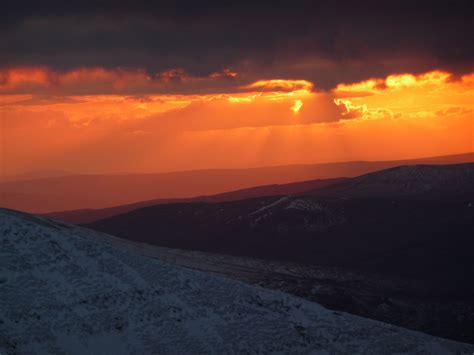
<point>281,85</point>
<point>296,106</point>
<point>248,125</point>
<point>431,94</point>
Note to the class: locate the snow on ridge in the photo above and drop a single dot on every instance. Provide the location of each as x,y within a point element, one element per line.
<point>271,205</point>
<point>305,205</point>
<point>69,289</point>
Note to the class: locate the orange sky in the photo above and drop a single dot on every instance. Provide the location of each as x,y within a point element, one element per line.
<point>98,120</point>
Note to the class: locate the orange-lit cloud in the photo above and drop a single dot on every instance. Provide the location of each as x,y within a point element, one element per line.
<point>406,95</point>
<point>89,81</point>
<point>263,123</point>
<point>281,85</point>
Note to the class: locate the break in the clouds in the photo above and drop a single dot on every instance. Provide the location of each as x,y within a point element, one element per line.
<point>324,42</point>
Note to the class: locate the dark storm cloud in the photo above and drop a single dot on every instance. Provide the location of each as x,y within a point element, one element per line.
<point>323,41</point>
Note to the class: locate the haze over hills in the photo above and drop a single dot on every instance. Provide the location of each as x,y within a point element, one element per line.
<point>68,289</point>
<point>398,182</point>
<point>91,215</point>
<point>101,191</point>
<point>40,174</point>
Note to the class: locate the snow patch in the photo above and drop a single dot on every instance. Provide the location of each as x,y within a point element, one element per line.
<point>266,207</point>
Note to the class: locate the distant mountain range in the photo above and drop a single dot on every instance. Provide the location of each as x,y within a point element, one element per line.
<point>295,188</point>
<point>66,289</point>
<point>40,174</point>
<point>62,193</point>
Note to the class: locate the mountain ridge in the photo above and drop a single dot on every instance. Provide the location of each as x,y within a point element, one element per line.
<point>101,191</point>
<point>92,215</point>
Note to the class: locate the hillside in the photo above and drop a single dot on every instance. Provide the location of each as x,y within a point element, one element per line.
<point>404,302</point>
<point>411,231</point>
<point>407,181</point>
<point>68,289</point>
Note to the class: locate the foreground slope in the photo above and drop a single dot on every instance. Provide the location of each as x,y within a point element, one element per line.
<point>67,289</point>
<point>396,301</point>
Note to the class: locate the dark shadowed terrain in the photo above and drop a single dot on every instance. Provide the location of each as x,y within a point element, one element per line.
<point>402,301</point>
<point>412,223</point>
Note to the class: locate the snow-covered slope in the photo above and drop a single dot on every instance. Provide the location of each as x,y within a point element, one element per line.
<point>68,289</point>
<point>407,181</point>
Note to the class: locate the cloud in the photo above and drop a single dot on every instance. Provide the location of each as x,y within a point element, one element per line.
<point>101,81</point>
<point>406,114</point>
<point>424,95</point>
<point>280,85</point>
<point>324,42</point>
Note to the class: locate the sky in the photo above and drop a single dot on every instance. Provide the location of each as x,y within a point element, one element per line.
<point>136,86</point>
